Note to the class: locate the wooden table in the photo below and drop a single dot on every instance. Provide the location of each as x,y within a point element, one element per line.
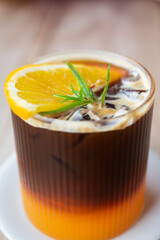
<point>29,29</point>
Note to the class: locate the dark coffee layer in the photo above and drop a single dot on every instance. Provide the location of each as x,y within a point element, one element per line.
<point>82,170</point>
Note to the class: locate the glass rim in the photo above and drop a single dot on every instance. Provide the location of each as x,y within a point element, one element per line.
<point>61,54</point>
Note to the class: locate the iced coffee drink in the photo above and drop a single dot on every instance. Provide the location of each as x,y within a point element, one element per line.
<point>82,160</point>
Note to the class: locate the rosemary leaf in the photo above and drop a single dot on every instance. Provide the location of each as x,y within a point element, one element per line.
<point>65,108</point>
<point>82,84</point>
<point>106,86</point>
<point>68,97</point>
<point>74,91</point>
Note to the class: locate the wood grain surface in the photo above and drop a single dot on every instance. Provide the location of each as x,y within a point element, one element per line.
<point>29,29</point>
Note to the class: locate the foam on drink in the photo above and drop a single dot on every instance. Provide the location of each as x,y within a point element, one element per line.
<point>124,102</point>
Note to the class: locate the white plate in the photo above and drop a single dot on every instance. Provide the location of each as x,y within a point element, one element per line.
<point>16,226</point>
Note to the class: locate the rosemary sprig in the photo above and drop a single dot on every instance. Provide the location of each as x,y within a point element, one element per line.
<point>81,97</point>
<point>84,96</point>
<point>106,86</point>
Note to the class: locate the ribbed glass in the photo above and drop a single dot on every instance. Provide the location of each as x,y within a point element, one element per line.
<point>83,186</point>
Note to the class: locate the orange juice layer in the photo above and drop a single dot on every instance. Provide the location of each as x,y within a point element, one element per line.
<point>103,223</point>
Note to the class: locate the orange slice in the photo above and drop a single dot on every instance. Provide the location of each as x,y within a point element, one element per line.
<point>31,89</point>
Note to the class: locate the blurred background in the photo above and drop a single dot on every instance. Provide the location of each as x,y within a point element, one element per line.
<point>29,29</point>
